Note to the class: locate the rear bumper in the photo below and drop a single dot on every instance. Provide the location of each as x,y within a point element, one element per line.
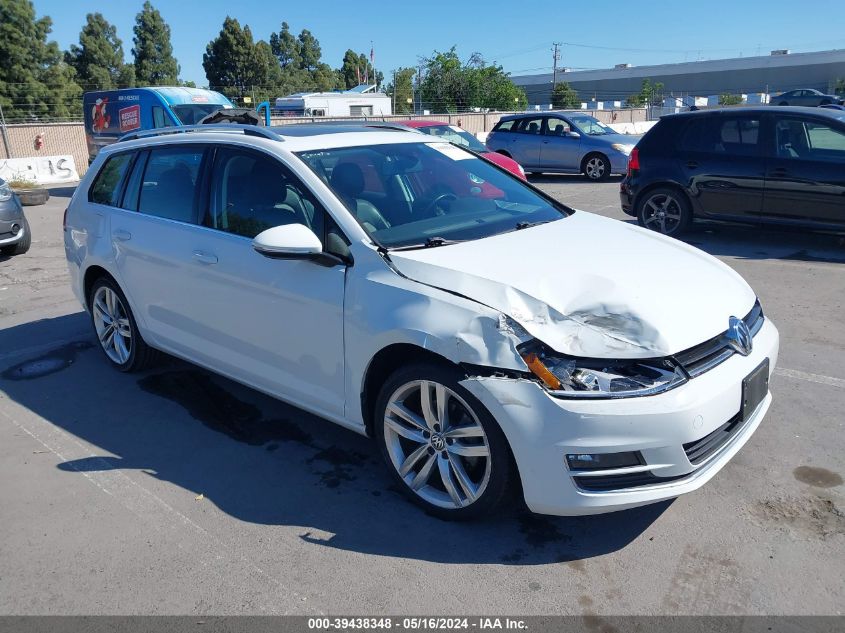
<point>626,197</point>
<point>665,429</point>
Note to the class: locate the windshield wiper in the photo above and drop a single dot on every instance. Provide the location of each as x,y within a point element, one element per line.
<point>527,225</point>
<point>430,242</point>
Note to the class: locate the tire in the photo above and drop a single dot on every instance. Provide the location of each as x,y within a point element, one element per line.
<point>504,153</point>
<point>125,349</point>
<point>457,477</point>
<point>676,216</point>
<point>21,247</point>
<point>596,167</point>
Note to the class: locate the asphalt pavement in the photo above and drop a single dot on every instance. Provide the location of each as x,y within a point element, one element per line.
<point>179,492</point>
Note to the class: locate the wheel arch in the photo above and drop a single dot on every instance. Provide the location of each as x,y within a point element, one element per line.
<point>385,362</point>
<point>92,274</point>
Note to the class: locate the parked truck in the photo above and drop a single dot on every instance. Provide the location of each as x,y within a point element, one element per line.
<point>360,101</point>
<point>109,114</point>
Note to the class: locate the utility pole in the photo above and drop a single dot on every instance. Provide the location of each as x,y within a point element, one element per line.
<point>555,60</point>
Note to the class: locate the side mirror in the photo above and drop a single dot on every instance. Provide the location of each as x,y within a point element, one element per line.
<point>294,241</point>
<point>573,135</point>
<point>290,241</point>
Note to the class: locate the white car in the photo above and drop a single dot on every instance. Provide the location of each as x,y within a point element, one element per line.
<point>486,336</point>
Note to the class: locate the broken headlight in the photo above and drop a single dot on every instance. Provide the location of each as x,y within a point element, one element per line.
<point>570,377</point>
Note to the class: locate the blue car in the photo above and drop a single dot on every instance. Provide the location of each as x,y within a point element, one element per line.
<point>109,114</point>
<point>562,143</point>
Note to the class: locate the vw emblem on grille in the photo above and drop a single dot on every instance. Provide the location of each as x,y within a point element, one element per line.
<point>739,336</point>
<point>438,442</point>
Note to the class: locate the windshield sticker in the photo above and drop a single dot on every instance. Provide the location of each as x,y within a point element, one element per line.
<point>455,153</point>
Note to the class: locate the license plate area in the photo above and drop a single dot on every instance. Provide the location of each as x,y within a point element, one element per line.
<point>755,386</point>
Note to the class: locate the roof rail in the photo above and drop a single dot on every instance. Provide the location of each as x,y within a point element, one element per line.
<point>249,130</point>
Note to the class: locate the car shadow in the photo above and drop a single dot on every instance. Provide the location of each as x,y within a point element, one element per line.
<point>757,242</point>
<point>265,462</point>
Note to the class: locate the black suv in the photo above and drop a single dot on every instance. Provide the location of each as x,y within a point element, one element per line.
<point>754,165</point>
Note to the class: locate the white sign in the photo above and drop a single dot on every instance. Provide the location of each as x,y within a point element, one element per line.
<point>45,170</point>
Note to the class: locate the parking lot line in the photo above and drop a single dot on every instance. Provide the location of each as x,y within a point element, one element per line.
<point>802,375</point>
<point>159,515</point>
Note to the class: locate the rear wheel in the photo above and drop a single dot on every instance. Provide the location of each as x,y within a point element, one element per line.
<point>596,167</point>
<point>116,329</point>
<point>440,444</point>
<point>665,210</point>
<point>23,245</point>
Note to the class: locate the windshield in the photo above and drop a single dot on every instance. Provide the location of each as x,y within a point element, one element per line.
<point>428,194</point>
<point>589,125</point>
<point>192,113</point>
<point>454,135</point>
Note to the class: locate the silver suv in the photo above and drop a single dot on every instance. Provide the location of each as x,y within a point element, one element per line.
<point>15,237</point>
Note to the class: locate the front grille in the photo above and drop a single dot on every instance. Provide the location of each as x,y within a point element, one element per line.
<point>698,451</point>
<point>605,483</point>
<point>707,355</point>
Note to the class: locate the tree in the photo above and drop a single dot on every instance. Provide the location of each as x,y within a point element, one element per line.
<point>286,47</point>
<point>356,68</point>
<point>648,95</point>
<point>839,87</point>
<point>450,85</point>
<point>34,81</point>
<point>232,62</point>
<point>401,91</point>
<point>98,60</point>
<point>564,96</point>
<point>153,53</point>
<point>729,99</point>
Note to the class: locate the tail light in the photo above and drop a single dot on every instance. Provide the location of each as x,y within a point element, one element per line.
<point>633,160</point>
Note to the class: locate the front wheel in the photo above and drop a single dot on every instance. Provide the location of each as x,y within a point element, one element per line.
<point>666,211</point>
<point>440,444</point>
<point>596,167</point>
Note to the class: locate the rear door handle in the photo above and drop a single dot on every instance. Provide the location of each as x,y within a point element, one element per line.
<point>779,171</point>
<point>692,164</point>
<point>121,235</point>
<point>205,258</point>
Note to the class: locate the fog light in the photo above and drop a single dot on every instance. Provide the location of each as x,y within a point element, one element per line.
<point>16,228</point>
<point>604,461</point>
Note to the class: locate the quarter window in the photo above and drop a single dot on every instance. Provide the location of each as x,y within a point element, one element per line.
<point>504,126</point>
<point>106,187</point>
<point>169,186</point>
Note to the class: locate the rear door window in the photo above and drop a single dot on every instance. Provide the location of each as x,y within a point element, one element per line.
<point>809,140</point>
<point>108,183</point>
<point>738,136</point>
<point>531,126</point>
<point>169,187</point>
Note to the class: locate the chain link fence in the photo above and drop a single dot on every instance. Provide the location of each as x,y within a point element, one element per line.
<point>31,140</point>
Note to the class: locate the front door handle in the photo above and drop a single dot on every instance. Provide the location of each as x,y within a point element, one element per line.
<point>205,258</point>
<point>121,235</point>
<point>779,171</point>
<point>692,164</point>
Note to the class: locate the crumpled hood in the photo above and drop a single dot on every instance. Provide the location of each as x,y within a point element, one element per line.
<point>591,286</point>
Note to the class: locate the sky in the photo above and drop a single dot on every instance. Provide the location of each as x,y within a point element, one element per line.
<point>519,36</point>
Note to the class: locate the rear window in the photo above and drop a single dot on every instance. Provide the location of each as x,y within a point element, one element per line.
<point>107,184</point>
<point>722,135</point>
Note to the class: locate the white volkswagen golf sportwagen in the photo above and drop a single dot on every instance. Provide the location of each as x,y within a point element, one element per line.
<point>486,336</point>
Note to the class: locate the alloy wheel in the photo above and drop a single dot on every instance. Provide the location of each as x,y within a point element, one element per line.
<point>437,444</point>
<point>111,321</point>
<point>662,212</point>
<point>594,168</point>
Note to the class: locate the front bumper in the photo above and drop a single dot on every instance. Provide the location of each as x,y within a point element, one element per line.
<point>11,216</point>
<point>542,430</point>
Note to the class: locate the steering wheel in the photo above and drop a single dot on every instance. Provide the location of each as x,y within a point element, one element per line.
<point>435,204</point>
